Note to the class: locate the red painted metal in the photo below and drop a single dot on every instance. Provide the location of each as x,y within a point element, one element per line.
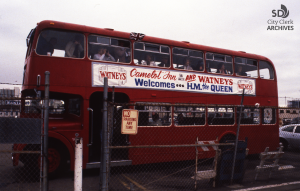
<point>73,76</point>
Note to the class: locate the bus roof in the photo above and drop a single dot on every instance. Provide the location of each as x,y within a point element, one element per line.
<point>111,32</point>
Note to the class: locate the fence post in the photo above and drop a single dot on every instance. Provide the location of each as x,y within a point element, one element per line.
<point>45,143</point>
<point>42,144</point>
<point>78,165</point>
<point>237,136</point>
<point>105,151</point>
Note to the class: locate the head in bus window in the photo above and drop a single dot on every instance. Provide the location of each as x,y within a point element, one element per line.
<point>100,54</point>
<point>180,119</point>
<point>74,48</point>
<point>121,54</point>
<point>156,121</point>
<point>200,66</point>
<point>148,60</point>
<point>240,71</point>
<point>164,61</point>
<point>187,63</point>
<point>221,69</point>
<point>103,54</point>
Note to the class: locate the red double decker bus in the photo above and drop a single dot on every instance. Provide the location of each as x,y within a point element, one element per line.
<point>146,69</point>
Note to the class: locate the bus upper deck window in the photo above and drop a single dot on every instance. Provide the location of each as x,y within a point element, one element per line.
<point>266,70</point>
<point>245,67</point>
<point>218,63</point>
<point>61,44</point>
<point>147,54</point>
<point>109,49</point>
<point>187,59</point>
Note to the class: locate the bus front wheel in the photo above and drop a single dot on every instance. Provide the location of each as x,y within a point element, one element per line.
<point>57,159</point>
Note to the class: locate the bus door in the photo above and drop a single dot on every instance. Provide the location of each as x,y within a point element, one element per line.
<point>96,104</point>
<point>117,139</point>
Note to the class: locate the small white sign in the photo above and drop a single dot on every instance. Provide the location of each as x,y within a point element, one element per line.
<point>129,121</point>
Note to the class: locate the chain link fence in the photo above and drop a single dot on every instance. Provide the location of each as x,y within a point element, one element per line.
<point>166,157</point>
<point>190,147</point>
<point>20,139</point>
<point>177,147</point>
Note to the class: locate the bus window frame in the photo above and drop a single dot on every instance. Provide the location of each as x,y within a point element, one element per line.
<point>188,56</point>
<point>143,104</point>
<point>60,30</point>
<point>273,116</point>
<point>109,45</point>
<point>29,41</point>
<point>245,64</point>
<point>255,111</point>
<point>216,110</point>
<point>150,52</point>
<point>177,112</point>
<point>213,59</point>
<point>271,66</point>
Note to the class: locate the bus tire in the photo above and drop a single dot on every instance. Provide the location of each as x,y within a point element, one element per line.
<point>58,156</point>
<point>224,139</point>
<point>228,137</point>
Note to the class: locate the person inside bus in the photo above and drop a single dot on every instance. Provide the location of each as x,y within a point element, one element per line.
<point>148,60</point>
<point>103,54</point>
<point>52,43</point>
<point>120,53</point>
<point>221,69</point>
<point>187,63</point>
<point>74,48</point>
<point>180,119</point>
<point>199,66</point>
<point>156,121</point>
<point>164,61</point>
<point>240,71</point>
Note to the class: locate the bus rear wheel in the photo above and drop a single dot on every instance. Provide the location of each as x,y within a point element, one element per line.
<point>228,137</point>
<point>224,139</point>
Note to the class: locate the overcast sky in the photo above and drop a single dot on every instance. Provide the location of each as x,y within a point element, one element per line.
<point>236,25</point>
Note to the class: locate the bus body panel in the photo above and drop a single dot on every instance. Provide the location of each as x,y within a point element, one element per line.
<point>70,76</point>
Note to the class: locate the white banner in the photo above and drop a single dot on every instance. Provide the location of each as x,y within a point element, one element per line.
<point>162,79</point>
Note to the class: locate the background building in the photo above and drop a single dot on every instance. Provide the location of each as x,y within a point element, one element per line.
<point>291,113</point>
<point>294,103</point>
<point>10,108</point>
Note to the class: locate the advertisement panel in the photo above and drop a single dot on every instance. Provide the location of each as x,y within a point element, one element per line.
<point>162,79</point>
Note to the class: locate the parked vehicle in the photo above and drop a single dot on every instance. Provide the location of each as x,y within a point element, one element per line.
<point>295,120</point>
<point>286,121</point>
<point>289,135</point>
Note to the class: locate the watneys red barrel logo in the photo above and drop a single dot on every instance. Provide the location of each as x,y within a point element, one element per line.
<point>116,75</point>
<point>248,85</point>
